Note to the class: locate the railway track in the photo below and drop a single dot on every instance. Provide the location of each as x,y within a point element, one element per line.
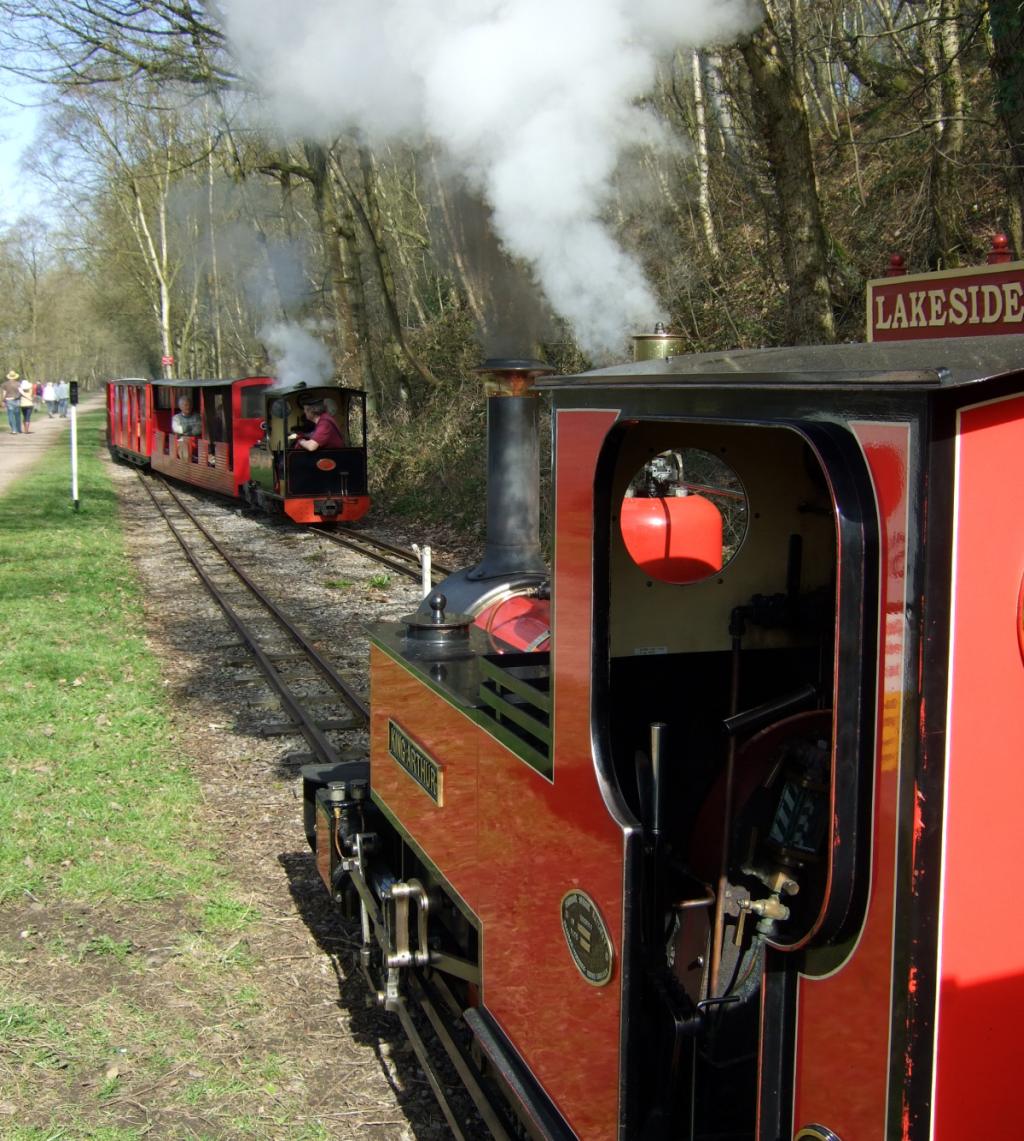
<point>399,559</point>
<point>293,666</point>
<point>316,699</point>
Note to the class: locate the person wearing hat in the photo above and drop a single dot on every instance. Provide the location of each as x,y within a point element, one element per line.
<point>12,402</point>
<point>325,434</point>
<point>27,399</point>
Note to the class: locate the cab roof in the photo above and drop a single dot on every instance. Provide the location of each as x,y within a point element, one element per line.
<point>938,364</point>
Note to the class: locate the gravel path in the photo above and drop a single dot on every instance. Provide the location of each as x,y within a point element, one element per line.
<point>18,454</point>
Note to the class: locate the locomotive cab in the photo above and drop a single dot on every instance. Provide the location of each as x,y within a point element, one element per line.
<point>718,685</point>
<point>328,485</point>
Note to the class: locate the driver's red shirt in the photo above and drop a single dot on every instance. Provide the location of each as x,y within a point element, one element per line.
<point>326,433</point>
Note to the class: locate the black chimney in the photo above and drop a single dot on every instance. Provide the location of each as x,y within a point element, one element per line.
<point>512,553</point>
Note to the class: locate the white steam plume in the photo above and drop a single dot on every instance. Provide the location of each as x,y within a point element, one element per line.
<point>533,99</point>
<point>297,355</point>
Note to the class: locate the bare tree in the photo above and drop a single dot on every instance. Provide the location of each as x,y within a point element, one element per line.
<point>804,242</point>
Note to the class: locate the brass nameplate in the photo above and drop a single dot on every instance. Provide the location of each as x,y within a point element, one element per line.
<point>424,770</point>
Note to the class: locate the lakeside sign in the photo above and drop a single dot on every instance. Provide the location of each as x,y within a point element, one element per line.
<point>976,302</point>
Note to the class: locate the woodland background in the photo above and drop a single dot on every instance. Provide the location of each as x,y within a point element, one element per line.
<point>836,134</point>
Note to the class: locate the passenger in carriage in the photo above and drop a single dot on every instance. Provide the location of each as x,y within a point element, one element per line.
<point>185,422</point>
<point>325,434</point>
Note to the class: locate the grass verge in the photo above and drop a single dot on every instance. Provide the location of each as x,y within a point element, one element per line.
<point>131,1002</point>
<point>93,799</point>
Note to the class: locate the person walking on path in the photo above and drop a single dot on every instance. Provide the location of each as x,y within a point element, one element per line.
<point>62,398</point>
<point>12,402</point>
<point>26,396</point>
<point>50,399</point>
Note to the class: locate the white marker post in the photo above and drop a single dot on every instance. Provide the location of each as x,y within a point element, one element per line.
<point>425,570</point>
<point>73,399</point>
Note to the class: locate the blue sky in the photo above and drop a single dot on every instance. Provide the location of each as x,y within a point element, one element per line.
<point>19,194</point>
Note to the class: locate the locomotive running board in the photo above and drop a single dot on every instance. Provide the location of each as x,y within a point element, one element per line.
<point>538,1115</point>
<point>421,992</point>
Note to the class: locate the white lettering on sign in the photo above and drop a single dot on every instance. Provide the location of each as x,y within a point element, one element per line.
<point>950,301</point>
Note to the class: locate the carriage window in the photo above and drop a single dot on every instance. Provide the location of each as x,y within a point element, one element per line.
<point>683,516</point>
<point>252,403</point>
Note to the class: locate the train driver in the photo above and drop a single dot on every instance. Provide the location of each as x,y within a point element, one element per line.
<point>185,422</point>
<point>325,434</point>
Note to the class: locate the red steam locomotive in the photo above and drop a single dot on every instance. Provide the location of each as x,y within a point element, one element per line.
<point>722,856</point>
<point>238,443</point>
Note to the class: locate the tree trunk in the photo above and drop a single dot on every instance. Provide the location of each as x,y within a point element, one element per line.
<point>471,291</point>
<point>1006,21</point>
<point>702,162</point>
<point>802,235</point>
<point>214,275</point>
<point>946,98</point>
<point>370,215</point>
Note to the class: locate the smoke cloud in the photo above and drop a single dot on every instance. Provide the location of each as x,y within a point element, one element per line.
<point>297,354</point>
<point>534,101</point>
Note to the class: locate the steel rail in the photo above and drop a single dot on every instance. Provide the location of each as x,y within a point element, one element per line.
<point>306,725</point>
<point>408,565</point>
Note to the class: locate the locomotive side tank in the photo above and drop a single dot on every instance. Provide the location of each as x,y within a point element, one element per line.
<point>722,862</point>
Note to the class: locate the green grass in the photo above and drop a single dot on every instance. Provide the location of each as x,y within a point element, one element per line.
<point>93,799</point>
<point>380,581</point>
<point>222,912</point>
<point>125,954</point>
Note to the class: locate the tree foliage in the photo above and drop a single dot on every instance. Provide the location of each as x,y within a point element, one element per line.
<point>792,164</point>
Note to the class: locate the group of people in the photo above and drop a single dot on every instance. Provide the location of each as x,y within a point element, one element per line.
<point>320,429</point>
<point>21,397</point>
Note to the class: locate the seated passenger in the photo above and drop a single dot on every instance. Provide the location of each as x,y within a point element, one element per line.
<point>186,422</point>
<point>325,434</point>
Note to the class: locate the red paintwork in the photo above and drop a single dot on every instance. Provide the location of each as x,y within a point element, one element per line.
<point>1020,618</point>
<point>842,1050</point>
<point>194,460</point>
<point>981,970</point>
<point>520,622</point>
<point>188,458</point>
<point>673,539</point>
<point>129,418</point>
<point>301,509</point>
<point>512,843</point>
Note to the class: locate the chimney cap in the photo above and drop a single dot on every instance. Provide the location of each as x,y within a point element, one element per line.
<point>519,365</point>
